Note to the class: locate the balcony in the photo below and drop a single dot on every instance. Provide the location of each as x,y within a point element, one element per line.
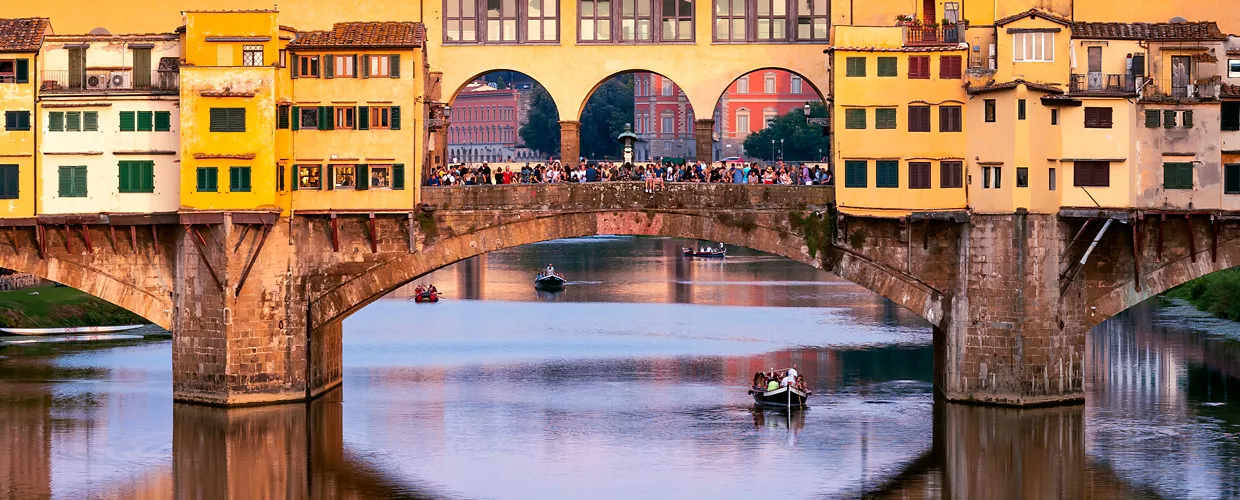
<point>1101,83</point>
<point>92,81</point>
<point>922,36</point>
<point>1181,90</point>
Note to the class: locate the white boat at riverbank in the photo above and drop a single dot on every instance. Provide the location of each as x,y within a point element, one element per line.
<point>70,330</point>
<point>68,338</point>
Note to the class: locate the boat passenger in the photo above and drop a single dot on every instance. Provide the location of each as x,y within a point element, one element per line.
<point>792,372</point>
<point>772,385</point>
<point>787,381</point>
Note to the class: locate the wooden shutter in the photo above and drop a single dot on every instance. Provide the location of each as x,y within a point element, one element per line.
<point>949,67</point>
<point>73,121</point>
<point>395,117</point>
<point>66,181</point>
<point>282,118</point>
<point>22,66</point>
<point>394,66</point>
<point>887,174</point>
<point>854,119</point>
<point>294,65</point>
<point>398,176</point>
<point>1168,119</point>
<point>79,181</point>
<point>1186,119</point>
<point>123,175</point>
<point>951,174</point>
<point>362,179</point>
<point>296,120</point>
<point>1091,174</point>
<point>919,118</point>
<point>8,182</point>
<point>365,69</point>
<point>919,67</point>
<point>363,117</point>
<point>919,175</point>
<point>330,123</point>
<point>236,120</point>
<point>129,123</point>
<point>145,121</point>
<point>90,121</point>
<point>855,66</point>
<point>329,178</point>
<point>855,175</point>
<point>888,66</point>
<point>884,118</point>
<point>1177,176</point>
<point>1151,118</point>
<point>55,121</point>
<point>147,176</point>
<point>1104,117</point>
<point>329,66</point>
<point>163,121</point>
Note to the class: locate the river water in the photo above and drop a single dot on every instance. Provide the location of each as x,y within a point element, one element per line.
<point>631,384</point>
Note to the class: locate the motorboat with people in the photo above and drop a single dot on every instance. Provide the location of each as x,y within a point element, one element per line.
<point>706,252</point>
<point>549,279</point>
<point>780,388</point>
<point>425,293</point>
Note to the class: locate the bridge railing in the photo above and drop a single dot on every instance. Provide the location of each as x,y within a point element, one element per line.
<point>627,196</point>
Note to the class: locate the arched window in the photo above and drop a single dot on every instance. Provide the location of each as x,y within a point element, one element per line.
<point>742,85</point>
<point>768,116</point>
<point>742,122</point>
<point>768,83</point>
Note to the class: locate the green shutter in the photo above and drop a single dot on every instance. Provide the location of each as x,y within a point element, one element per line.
<point>293,65</point>
<point>1151,118</point>
<point>887,66</point>
<point>239,179</point>
<point>363,117</point>
<point>1168,119</point>
<point>72,182</point>
<point>296,171</point>
<point>398,176</point>
<point>329,66</point>
<point>66,181</point>
<point>1186,120</point>
<point>362,181</point>
<point>147,177</point>
<point>8,182</point>
<point>855,66</point>
<point>23,71</point>
<point>327,118</point>
<point>123,174</point>
<point>236,120</point>
<point>128,123</point>
<point>887,174</point>
<point>394,66</point>
<point>208,179</point>
<point>1177,176</point>
<point>90,121</point>
<point>395,117</point>
<point>79,181</point>
<point>855,174</point>
<point>329,177</point>
<point>145,121</point>
<point>163,121</point>
<point>854,119</point>
<point>295,116</point>
<point>55,121</point>
<point>885,118</point>
<point>73,121</point>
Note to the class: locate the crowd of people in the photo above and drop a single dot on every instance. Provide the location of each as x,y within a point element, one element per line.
<point>653,174</point>
<point>772,380</point>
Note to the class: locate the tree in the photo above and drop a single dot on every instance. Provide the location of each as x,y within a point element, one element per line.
<point>802,142</point>
<point>541,131</point>
<point>609,108</point>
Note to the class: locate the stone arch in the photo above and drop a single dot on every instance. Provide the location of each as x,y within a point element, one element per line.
<point>769,233</point>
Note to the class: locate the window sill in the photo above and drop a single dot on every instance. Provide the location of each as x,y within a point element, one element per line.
<point>634,43</point>
<point>769,42</point>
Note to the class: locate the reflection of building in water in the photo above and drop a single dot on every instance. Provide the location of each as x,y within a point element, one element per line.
<point>471,278</point>
<point>25,442</point>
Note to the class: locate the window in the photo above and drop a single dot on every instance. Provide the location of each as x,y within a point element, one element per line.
<point>796,84</point>
<point>1097,117</point>
<point>990,110</point>
<point>884,118</point>
<point>951,174</point>
<point>950,68</point>
<point>667,123</point>
<point>137,176</point>
<point>308,117</point>
<point>742,122</point>
<point>1177,176</point>
<point>1053,179</point>
<point>1091,174</point>
<point>1230,118</point>
<point>8,182</point>
<point>541,20</point>
<point>1033,47</point>
<point>768,83</point>
<point>919,67</point>
<point>129,121</point>
<point>730,20</point>
<point>919,175</point>
<point>854,66</point>
<point>208,179</point>
<point>771,20</point>
<point>950,119</point>
<point>72,121</point>
<point>1153,119</point>
<point>17,120</point>
<point>238,179</point>
<point>667,87</point>
<point>854,118</point>
<point>55,121</point>
<point>500,20</point>
<point>283,57</point>
<point>919,118</point>
<point>282,116</point>
<point>742,85</point>
<point>1168,119</point>
<point>343,176</point>
<point>677,19</point>
<point>73,182</point>
<point>251,55</point>
<point>812,20</point>
<point>308,177</point>
<point>14,71</point>
<point>1022,177</point>
<point>1233,68</point>
<point>308,66</point>
<point>1186,119</point>
<point>344,66</point>
<point>887,174</point>
<point>594,20</point>
<point>223,119</point>
<point>1020,109</point>
<point>146,121</point>
<point>1054,117</point>
<point>855,173</point>
<point>380,66</point>
<point>345,117</point>
<point>163,121</point>
<point>1231,178</point>
<point>768,117</point>
<point>986,177</point>
<point>380,177</point>
<point>460,21</point>
<point>888,66</point>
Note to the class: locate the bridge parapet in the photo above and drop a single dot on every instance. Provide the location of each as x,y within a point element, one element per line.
<point>627,196</point>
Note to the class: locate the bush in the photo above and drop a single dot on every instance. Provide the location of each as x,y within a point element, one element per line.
<point>1217,293</point>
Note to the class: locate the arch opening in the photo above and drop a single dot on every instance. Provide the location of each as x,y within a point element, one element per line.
<point>760,116</point>
<point>655,107</point>
<point>502,116</point>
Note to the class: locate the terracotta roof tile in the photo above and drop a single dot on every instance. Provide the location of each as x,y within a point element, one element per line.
<point>1230,90</point>
<point>1033,13</point>
<point>364,34</point>
<point>1203,30</point>
<point>23,35</point>
<point>992,87</point>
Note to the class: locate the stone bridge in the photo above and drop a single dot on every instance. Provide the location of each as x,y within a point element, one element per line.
<point>255,300</point>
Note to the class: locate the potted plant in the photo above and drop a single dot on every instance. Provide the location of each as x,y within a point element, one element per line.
<point>904,20</point>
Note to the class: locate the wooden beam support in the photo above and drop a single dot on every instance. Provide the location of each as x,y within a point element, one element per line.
<point>1213,238</point>
<point>40,236</point>
<point>374,236</point>
<point>925,234</point>
<point>1136,252</point>
<point>155,238</point>
<point>90,248</point>
<point>201,244</point>
<point>335,234</point>
<point>253,258</point>
<point>245,230</point>
<point>68,239</point>
<point>1162,219</point>
<point>112,236</point>
<point>1192,243</point>
<point>133,238</point>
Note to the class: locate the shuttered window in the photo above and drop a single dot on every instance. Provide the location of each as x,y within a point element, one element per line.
<point>73,182</point>
<point>55,121</point>
<point>90,121</point>
<point>888,66</point>
<point>17,120</point>
<point>73,121</point>
<point>1097,117</point>
<point>128,122</point>
<point>238,179</point>
<point>919,175</point>
<point>282,116</point>
<point>855,174</point>
<point>887,174</point>
<point>919,118</point>
<point>885,118</point>
<point>1152,119</point>
<point>398,176</point>
<point>8,182</point>
<point>919,67</point>
<point>395,118</point>
<point>854,66</point>
<point>1186,119</point>
<point>1231,178</point>
<point>1020,109</point>
<point>163,121</point>
<point>951,174</point>
<point>146,121</point>
<point>950,119</point>
<point>1168,119</point>
<point>949,68</point>
<point>227,119</point>
<point>137,176</point>
<point>1177,176</point>
<point>208,179</point>
<point>1091,174</point>
<point>854,119</point>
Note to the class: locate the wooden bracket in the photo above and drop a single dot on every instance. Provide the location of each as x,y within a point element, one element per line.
<point>374,236</point>
<point>245,231</point>
<point>925,234</point>
<point>1162,219</point>
<point>112,236</point>
<point>133,238</point>
<point>155,238</point>
<point>253,258</point>
<point>410,232</point>
<point>40,236</point>
<point>335,234</point>
<point>1192,244</point>
<point>68,239</point>
<point>90,248</point>
<point>1136,252</point>
<point>201,244</point>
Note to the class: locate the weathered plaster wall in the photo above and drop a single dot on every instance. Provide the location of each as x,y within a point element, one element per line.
<point>18,147</point>
<point>1115,143</point>
<point>1198,145</point>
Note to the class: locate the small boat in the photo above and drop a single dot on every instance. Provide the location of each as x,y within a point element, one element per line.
<point>548,279</point>
<point>70,338</point>
<point>706,253</point>
<point>785,397</point>
<point>425,294</point>
<point>76,329</point>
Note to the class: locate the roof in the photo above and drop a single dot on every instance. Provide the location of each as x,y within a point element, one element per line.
<point>1032,13</point>
<point>23,35</point>
<point>1203,30</point>
<point>1230,90</point>
<point>928,48</point>
<point>364,34</point>
<point>119,37</point>
<point>993,87</point>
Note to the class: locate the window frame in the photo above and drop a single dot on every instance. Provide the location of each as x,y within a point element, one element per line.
<point>856,174</point>
<point>954,120</point>
<point>990,110</point>
<point>239,179</point>
<point>919,173</point>
<point>854,66</point>
<point>614,17</point>
<point>919,118</point>
<point>140,181</point>
<point>309,66</point>
<point>15,122</point>
<point>1091,180</point>
<point>11,75</point>
<point>951,67</point>
<point>1022,109</point>
<point>951,174</point>
<point>884,170</point>
<point>886,122</point>
<point>230,115</point>
<point>1022,177</point>
<point>1098,117</point>
<point>1177,168</point>
<point>1229,120</point>
<point>851,118</point>
<point>374,169</point>
<point>348,170</point>
<point>1233,68</point>
<point>1020,42</point>
<point>214,175</point>
<point>919,67</point>
<point>313,177</point>
<point>78,177</point>
<point>887,66</point>
<point>1231,175</point>
<point>344,118</point>
<point>460,14</point>
<point>247,55</point>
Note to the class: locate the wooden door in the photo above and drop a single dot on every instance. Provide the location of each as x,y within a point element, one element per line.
<point>928,11</point>
<point>77,68</point>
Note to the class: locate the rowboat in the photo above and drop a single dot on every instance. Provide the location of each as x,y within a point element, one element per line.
<point>426,297</point>
<point>784,397</point>
<point>706,253</point>
<point>76,329</point>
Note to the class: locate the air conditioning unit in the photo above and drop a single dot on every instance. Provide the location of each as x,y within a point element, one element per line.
<point>119,80</point>
<point>98,82</point>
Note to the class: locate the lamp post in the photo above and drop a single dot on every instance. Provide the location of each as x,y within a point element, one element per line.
<point>627,138</point>
<point>812,121</point>
<point>781,150</point>
<point>772,150</point>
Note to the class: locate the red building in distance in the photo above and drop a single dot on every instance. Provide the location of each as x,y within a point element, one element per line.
<point>486,124</point>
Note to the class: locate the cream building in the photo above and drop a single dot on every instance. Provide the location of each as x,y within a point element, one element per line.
<point>108,124</point>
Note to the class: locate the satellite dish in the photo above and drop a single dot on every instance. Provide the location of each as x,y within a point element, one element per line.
<point>1178,20</point>
<point>100,31</point>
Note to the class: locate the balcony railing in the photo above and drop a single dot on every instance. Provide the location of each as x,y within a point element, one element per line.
<point>1163,89</point>
<point>109,81</point>
<point>1101,83</point>
<point>920,36</point>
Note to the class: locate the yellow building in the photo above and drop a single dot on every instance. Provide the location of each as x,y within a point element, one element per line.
<point>898,119</point>
<point>356,116</point>
<point>20,40</point>
<point>229,90</point>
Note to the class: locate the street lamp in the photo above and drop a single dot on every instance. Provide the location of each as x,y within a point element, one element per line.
<point>627,138</point>
<point>772,150</point>
<point>812,121</point>
<point>781,150</point>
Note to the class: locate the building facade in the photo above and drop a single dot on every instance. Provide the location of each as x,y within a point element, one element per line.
<point>20,40</point>
<point>750,104</point>
<point>662,119</point>
<point>486,125</point>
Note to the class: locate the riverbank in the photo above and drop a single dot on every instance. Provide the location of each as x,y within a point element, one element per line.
<point>50,306</point>
<point>1217,293</point>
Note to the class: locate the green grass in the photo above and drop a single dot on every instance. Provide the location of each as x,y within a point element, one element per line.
<point>1216,293</point>
<point>59,307</point>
